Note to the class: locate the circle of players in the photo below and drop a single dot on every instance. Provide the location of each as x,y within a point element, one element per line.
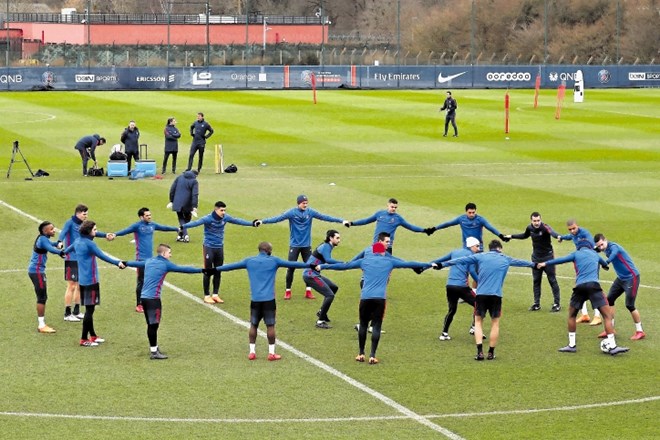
<point>487,270</point>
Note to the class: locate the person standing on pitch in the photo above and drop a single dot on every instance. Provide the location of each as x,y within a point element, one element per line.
<point>541,251</point>
<point>37,270</point>
<point>627,281</point>
<point>450,105</point>
<point>388,220</point>
<point>143,235</point>
<point>68,235</point>
<point>184,197</point>
<point>300,241</point>
<point>262,270</point>
<point>587,287</point>
<point>90,289</point>
<point>172,136</point>
<point>130,137</point>
<point>376,268</point>
<point>577,235</point>
<point>457,284</point>
<point>213,246</point>
<point>200,130</point>
<point>471,223</point>
<point>324,286</point>
<point>492,267</point>
<point>155,269</point>
<point>86,146</point>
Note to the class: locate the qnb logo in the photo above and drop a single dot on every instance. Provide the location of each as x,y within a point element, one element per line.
<point>508,76</point>
<point>202,78</point>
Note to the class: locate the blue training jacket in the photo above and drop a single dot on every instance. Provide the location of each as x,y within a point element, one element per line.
<point>623,265</point>
<point>214,228</point>
<point>71,232</point>
<point>155,270</point>
<point>143,233</point>
<point>458,273</point>
<point>492,267</point>
<point>376,270</point>
<point>40,254</point>
<point>87,251</point>
<point>262,270</point>
<point>586,262</point>
<point>387,222</point>
<point>325,251</point>
<point>582,235</point>
<point>300,224</point>
<point>470,227</point>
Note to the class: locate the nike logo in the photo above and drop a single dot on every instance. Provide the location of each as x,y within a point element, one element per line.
<point>444,79</point>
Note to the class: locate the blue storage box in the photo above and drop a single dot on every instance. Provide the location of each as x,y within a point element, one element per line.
<point>147,166</point>
<point>117,168</point>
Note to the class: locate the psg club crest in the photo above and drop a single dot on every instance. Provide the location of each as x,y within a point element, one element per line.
<point>604,76</point>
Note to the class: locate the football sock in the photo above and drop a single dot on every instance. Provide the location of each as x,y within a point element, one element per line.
<point>491,350</point>
<point>596,312</point>
<point>271,348</point>
<point>253,348</point>
<point>638,326</point>
<point>67,310</point>
<point>42,321</point>
<point>153,349</point>
<point>571,339</point>
<point>480,348</point>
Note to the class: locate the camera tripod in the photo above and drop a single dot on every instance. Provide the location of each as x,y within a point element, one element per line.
<point>15,150</point>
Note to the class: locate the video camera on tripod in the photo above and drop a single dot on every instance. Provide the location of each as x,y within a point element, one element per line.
<point>16,150</point>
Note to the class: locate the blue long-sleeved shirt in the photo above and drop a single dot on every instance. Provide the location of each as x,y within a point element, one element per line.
<point>623,265</point>
<point>71,232</point>
<point>581,235</point>
<point>262,270</point>
<point>87,251</point>
<point>387,222</point>
<point>586,263</point>
<point>376,270</point>
<point>300,224</point>
<point>458,273</point>
<point>324,251</point>
<point>40,254</point>
<point>214,228</point>
<point>492,267</point>
<point>155,270</point>
<point>143,233</point>
<point>470,227</point>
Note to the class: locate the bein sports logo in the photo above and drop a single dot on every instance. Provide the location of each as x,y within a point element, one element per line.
<point>202,78</point>
<point>604,76</point>
<point>508,76</point>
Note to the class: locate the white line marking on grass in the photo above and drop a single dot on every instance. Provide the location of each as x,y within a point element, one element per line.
<point>41,117</point>
<point>540,410</point>
<point>362,387</point>
<point>329,419</point>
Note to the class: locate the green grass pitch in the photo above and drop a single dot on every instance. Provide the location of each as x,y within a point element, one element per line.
<point>600,164</point>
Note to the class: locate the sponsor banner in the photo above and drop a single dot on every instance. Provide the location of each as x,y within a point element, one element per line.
<point>327,77</point>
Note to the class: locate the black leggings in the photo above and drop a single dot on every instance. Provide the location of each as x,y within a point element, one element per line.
<point>88,323</point>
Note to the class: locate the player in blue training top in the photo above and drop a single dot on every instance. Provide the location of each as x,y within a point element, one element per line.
<point>388,220</point>
<point>587,287</point>
<point>300,240</point>
<point>458,286</point>
<point>627,281</point>
<point>577,235</point>
<point>213,245</point>
<point>492,267</point>
<point>155,269</point>
<point>90,290</point>
<point>323,285</point>
<point>471,223</point>
<point>143,235</point>
<point>37,270</point>
<point>68,235</point>
<point>376,269</point>
<point>262,270</point>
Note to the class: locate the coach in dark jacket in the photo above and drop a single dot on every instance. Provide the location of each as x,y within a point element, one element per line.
<point>86,146</point>
<point>184,194</point>
<point>172,136</point>
<point>200,130</point>
<point>131,140</point>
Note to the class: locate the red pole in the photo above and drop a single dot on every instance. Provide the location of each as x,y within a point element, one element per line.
<point>537,87</point>
<point>561,91</point>
<point>314,86</point>
<point>506,112</point>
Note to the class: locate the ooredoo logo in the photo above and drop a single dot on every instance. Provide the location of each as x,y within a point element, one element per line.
<point>508,76</point>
